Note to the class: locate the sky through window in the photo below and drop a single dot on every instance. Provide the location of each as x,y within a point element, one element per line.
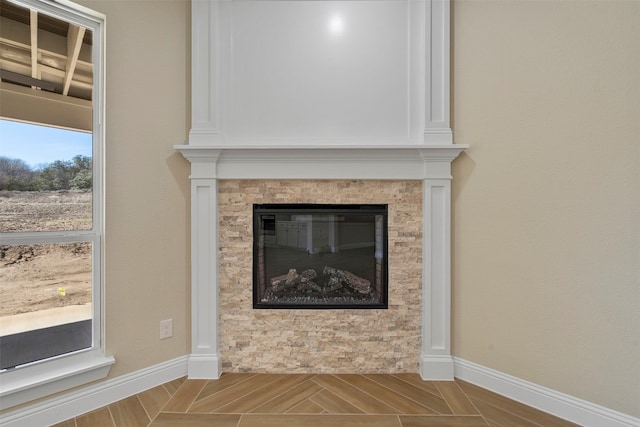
<point>40,145</point>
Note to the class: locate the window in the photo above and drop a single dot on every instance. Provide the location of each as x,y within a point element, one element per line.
<point>51,199</point>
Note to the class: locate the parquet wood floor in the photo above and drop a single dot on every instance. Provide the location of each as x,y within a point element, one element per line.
<point>272,400</point>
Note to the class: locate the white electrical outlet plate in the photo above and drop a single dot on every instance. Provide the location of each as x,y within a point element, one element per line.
<point>166,328</point>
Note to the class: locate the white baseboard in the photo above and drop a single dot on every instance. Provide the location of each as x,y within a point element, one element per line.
<point>92,397</point>
<point>436,367</point>
<point>204,366</point>
<point>559,404</point>
<point>70,405</point>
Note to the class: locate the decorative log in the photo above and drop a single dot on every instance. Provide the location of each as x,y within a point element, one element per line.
<point>333,284</point>
<point>330,271</point>
<point>280,283</point>
<point>309,274</point>
<point>277,283</point>
<point>293,278</point>
<point>355,282</point>
<point>308,285</point>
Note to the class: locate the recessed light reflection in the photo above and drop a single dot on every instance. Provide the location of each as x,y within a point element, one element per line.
<point>336,25</point>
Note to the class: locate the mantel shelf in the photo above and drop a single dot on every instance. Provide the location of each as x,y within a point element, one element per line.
<point>341,147</point>
<point>321,162</point>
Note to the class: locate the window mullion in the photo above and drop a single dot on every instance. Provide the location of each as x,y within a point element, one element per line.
<point>42,237</point>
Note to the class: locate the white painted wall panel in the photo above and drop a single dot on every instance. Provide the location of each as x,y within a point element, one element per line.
<point>318,69</point>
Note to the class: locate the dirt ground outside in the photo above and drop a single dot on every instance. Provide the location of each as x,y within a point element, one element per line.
<point>43,276</point>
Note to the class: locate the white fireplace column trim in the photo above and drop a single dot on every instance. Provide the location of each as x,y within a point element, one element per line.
<point>204,362</point>
<point>437,57</point>
<point>436,362</point>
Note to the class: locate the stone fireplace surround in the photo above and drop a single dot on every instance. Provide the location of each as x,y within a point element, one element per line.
<point>416,184</point>
<point>335,340</point>
<point>411,170</point>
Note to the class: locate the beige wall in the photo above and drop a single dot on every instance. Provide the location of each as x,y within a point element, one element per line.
<point>147,207</point>
<point>546,280</point>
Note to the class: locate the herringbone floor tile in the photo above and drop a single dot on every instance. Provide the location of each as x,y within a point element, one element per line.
<point>345,400</point>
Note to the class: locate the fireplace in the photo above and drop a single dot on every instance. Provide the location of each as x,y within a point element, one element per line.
<point>313,256</point>
<point>287,110</point>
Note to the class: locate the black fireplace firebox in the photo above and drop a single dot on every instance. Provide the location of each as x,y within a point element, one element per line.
<point>314,256</point>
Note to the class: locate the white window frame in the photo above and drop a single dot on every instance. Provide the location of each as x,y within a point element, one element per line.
<point>42,378</point>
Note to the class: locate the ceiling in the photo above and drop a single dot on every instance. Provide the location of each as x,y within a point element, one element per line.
<point>44,53</point>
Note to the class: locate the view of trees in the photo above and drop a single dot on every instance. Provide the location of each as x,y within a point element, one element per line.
<point>74,174</point>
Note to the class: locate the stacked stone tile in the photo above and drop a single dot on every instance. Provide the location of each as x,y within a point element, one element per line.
<point>320,341</point>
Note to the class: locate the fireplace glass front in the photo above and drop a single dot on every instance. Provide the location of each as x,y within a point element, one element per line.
<point>319,256</point>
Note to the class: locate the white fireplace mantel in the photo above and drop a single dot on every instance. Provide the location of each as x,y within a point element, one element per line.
<point>321,162</point>
<point>227,143</point>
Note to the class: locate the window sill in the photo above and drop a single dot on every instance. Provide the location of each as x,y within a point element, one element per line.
<point>40,379</point>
